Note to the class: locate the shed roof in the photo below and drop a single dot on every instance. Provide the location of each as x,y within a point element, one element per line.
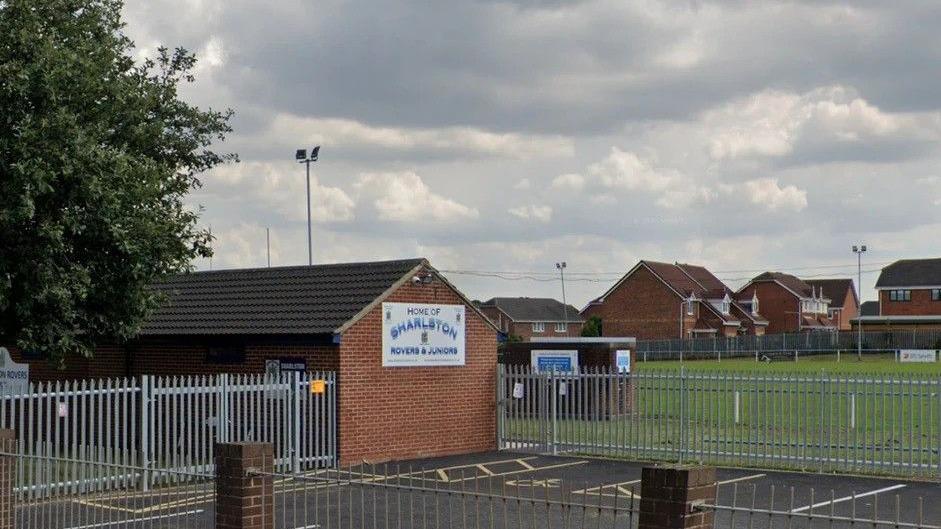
<point>292,300</point>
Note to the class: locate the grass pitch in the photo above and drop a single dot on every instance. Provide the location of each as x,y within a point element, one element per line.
<point>872,363</point>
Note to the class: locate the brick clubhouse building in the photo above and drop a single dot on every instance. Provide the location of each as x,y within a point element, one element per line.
<point>657,300</point>
<point>393,404</point>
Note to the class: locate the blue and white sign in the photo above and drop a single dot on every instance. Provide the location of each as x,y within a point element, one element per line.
<point>622,359</point>
<point>548,361</point>
<point>419,335</point>
<point>917,355</point>
<point>14,378</point>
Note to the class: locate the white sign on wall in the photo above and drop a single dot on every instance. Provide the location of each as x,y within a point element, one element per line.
<point>418,334</point>
<point>14,378</point>
<point>622,359</point>
<point>918,355</point>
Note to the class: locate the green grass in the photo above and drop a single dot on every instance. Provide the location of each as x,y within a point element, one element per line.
<point>790,415</point>
<point>870,364</point>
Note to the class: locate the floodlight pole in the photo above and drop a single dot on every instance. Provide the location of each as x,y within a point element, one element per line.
<point>302,157</point>
<point>565,306</point>
<point>858,250</point>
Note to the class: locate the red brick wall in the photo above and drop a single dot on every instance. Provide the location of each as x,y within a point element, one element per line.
<point>642,307</point>
<point>777,305</point>
<point>841,317</point>
<point>920,304</point>
<point>176,358</point>
<point>407,412</point>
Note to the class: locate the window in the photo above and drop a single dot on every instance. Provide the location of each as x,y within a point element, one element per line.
<point>900,295</point>
<point>539,326</point>
<point>559,327</point>
<point>689,308</point>
<point>936,294</point>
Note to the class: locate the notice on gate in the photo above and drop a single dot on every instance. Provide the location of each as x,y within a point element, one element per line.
<point>14,378</point>
<point>549,361</point>
<point>420,335</point>
<point>918,355</point>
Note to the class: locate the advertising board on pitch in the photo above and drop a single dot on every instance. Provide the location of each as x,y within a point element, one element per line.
<point>421,335</point>
<point>918,355</point>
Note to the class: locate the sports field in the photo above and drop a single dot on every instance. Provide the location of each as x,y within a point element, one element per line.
<point>880,363</point>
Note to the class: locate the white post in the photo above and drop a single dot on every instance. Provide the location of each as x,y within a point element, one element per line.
<point>737,403</point>
<point>296,449</point>
<point>852,410</point>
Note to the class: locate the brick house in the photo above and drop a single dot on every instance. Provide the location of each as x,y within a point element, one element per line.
<point>789,303</point>
<point>526,318</point>
<point>844,302</point>
<point>325,317</point>
<point>657,300</point>
<point>909,297</point>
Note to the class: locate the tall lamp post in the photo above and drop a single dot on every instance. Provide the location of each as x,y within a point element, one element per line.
<point>565,306</point>
<point>301,157</point>
<point>859,250</point>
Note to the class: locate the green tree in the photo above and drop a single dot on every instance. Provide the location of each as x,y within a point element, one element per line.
<point>97,154</point>
<point>592,327</point>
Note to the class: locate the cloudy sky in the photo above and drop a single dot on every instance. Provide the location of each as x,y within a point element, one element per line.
<point>498,137</point>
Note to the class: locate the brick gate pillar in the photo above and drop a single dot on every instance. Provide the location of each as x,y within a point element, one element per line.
<point>244,500</point>
<point>669,496</point>
<point>7,476</point>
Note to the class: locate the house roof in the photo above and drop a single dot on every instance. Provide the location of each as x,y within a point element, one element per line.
<point>834,289</point>
<point>675,278</point>
<point>293,300</point>
<point>869,308</point>
<point>911,273</point>
<point>712,286</point>
<point>793,283</point>
<point>534,309</point>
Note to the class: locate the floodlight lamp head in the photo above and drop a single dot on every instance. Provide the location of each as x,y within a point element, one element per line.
<point>314,153</point>
<point>300,154</point>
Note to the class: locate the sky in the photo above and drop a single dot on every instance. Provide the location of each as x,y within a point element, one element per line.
<point>497,138</point>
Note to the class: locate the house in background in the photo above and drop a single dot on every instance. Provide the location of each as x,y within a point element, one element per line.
<point>909,297</point>
<point>789,303</point>
<point>657,300</point>
<point>525,318</point>
<point>844,302</point>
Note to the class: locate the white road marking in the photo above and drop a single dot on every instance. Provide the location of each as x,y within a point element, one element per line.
<point>147,519</point>
<point>743,478</point>
<point>847,498</point>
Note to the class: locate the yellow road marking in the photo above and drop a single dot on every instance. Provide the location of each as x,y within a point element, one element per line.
<point>485,470</point>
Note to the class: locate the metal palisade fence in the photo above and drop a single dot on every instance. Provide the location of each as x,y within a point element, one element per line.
<point>785,344</point>
<point>165,424</point>
<point>864,424</point>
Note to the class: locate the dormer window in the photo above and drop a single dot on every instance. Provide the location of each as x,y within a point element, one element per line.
<point>726,304</point>
<point>754,304</point>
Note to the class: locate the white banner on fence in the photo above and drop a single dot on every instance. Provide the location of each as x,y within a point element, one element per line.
<point>14,378</point>
<point>417,334</point>
<point>918,355</point>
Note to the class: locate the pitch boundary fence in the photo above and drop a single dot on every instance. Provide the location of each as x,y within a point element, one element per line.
<point>877,425</point>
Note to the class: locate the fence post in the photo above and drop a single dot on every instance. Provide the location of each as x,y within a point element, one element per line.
<point>145,433</point>
<point>244,486</point>
<point>683,415</point>
<point>222,432</point>
<point>7,478</point>
<point>671,496</point>
<point>296,427</point>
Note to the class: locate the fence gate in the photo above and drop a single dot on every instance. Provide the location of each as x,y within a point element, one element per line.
<point>167,424</point>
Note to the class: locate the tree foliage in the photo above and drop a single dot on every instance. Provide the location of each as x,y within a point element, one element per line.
<point>592,327</point>
<point>97,154</point>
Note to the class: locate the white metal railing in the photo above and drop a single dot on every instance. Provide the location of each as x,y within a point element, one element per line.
<point>887,425</point>
<point>166,424</point>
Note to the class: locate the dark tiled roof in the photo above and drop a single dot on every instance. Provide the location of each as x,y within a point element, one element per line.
<point>534,309</point>
<point>911,273</point>
<point>833,289</point>
<point>286,300</point>
<point>869,308</point>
